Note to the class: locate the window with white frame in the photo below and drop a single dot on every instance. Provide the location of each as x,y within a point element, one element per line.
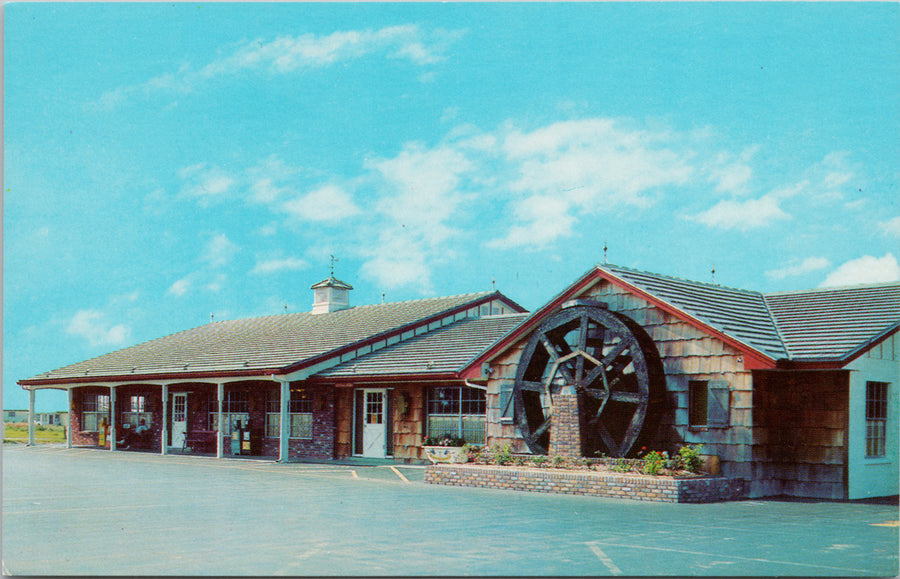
<point>876,418</point>
<point>94,408</point>
<point>457,411</point>
<point>301,414</point>
<point>235,409</point>
<point>137,411</point>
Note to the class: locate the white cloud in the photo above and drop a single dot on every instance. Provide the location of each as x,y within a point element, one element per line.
<point>866,269</point>
<point>219,250</point>
<point>205,183</point>
<point>92,325</point>
<point>585,166</point>
<point>730,175</point>
<point>277,265</point>
<point>180,287</point>
<point>544,219</point>
<point>808,265</point>
<point>290,54</point>
<point>891,226</point>
<point>742,215</point>
<point>327,203</point>
<point>399,258</point>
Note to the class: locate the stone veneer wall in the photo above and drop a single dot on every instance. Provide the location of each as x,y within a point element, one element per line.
<point>611,485</point>
<point>687,354</point>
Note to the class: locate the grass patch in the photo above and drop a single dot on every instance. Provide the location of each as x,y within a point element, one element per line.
<point>18,432</point>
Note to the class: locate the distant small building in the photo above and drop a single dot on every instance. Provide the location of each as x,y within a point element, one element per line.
<point>42,418</point>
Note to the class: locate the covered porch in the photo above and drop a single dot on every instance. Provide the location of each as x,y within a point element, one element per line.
<point>275,418</point>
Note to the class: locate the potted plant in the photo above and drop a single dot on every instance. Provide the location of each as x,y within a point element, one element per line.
<point>445,449</point>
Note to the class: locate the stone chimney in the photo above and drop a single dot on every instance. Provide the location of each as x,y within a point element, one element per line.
<point>331,295</point>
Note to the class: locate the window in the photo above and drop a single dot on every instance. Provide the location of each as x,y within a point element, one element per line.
<point>300,408</point>
<point>301,414</point>
<point>507,403</point>
<point>94,409</point>
<point>458,411</point>
<point>698,399</point>
<point>273,413</point>
<point>876,418</point>
<point>708,404</point>
<point>235,409</point>
<point>137,410</point>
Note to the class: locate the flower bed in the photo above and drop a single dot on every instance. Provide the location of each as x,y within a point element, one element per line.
<point>655,476</point>
<point>694,489</point>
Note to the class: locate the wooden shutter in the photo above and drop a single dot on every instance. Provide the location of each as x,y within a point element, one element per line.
<point>718,404</point>
<point>506,402</point>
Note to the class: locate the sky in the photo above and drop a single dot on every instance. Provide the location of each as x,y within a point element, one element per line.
<point>168,164</point>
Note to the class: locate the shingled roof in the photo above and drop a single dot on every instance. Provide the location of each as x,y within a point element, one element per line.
<point>741,314</point>
<point>831,324</point>
<point>263,345</point>
<point>442,351</point>
<point>834,323</point>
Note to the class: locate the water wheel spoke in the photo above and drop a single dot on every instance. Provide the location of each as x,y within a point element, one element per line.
<point>622,396</point>
<point>614,353</point>
<point>611,445</point>
<point>542,428</point>
<point>597,393</point>
<point>531,386</point>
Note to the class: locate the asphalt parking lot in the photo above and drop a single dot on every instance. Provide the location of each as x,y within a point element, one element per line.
<point>92,512</point>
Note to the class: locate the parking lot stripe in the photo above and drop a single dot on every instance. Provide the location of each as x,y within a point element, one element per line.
<point>604,558</point>
<point>398,473</point>
<point>353,473</point>
<point>720,555</point>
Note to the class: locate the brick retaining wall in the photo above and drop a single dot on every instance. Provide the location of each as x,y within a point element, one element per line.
<point>604,484</point>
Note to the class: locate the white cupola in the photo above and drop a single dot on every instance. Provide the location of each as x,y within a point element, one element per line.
<point>331,295</point>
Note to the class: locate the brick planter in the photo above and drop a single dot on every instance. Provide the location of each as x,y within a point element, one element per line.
<point>603,484</point>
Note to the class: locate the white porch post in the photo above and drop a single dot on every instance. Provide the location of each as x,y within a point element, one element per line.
<point>31,417</point>
<point>71,392</point>
<point>284,432</point>
<point>163,430</point>
<point>220,444</point>
<point>112,417</point>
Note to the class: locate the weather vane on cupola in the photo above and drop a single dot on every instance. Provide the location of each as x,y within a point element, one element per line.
<point>333,259</point>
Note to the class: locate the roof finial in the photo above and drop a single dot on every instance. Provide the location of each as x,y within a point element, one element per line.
<point>333,259</point>
<point>604,251</point>
<point>285,308</point>
<point>212,317</point>
<point>493,284</point>
<point>713,272</point>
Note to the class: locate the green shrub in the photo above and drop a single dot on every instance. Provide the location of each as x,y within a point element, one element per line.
<point>558,462</point>
<point>502,454</point>
<point>690,457</point>
<point>539,460</point>
<point>654,461</point>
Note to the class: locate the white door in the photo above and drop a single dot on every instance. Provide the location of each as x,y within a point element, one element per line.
<point>374,424</point>
<point>179,418</point>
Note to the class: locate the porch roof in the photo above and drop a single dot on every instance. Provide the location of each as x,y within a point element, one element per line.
<point>264,345</point>
<point>442,351</point>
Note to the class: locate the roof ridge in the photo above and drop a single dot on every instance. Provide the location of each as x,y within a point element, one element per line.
<point>680,279</point>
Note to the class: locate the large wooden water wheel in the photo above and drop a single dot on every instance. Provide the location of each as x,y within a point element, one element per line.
<point>604,357</point>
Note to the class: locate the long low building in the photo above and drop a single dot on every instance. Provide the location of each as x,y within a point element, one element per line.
<point>794,393</point>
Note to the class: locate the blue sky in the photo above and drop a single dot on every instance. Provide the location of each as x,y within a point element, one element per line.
<point>166,162</point>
